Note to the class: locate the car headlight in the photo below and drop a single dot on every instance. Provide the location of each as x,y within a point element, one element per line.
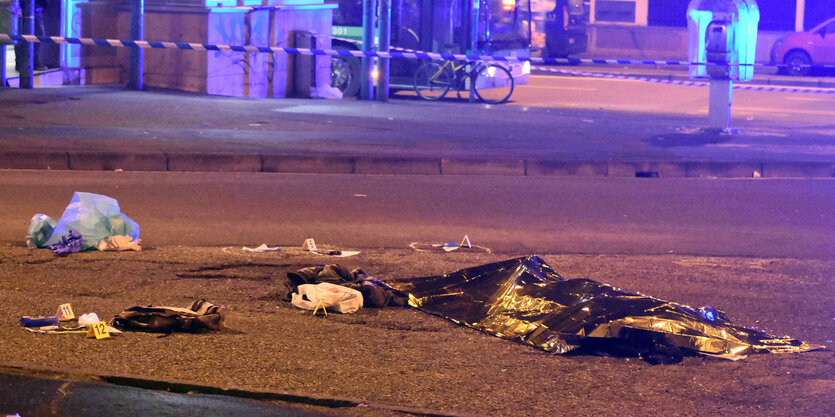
<point>526,67</point>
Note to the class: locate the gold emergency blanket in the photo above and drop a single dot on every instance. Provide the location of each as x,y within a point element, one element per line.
<point>526,301</point>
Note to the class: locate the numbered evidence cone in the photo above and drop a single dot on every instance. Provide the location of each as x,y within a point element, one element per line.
<point>65,312</point>
<point>98,330</point>
<point>466,240</point>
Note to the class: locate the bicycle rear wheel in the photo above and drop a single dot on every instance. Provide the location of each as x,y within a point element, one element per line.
<point>432,83</point>
<point>493,84</point>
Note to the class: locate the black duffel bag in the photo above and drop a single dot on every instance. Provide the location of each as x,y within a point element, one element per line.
<point>200,316</point>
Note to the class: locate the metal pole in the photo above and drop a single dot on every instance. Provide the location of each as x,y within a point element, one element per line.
<point>13,11</point>
<point>384,64</point>
<point>137,33</point>
<point>2,65</point>
<point>367,83</point>
<point>476,13</point>
<point>27,49</point>
<point>719,110</point>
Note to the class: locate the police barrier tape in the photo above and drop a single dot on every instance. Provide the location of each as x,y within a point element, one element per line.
<point>411,54</point>
<point>576,61</point>
<point>688,83</point>
<point>345,52</point>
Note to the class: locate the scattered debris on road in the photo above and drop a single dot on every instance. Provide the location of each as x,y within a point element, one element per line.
<point>87,221</point>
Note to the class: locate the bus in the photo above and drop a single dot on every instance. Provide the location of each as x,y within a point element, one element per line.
<point>496,28</point>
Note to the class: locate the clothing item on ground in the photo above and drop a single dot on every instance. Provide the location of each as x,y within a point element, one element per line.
<point>375,293</point>
<point>119,242</point>
<point>200,316</point>
<point>69,243</point>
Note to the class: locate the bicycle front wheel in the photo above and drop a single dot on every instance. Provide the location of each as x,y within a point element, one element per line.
<point>432,81</point>
<point>493,84</point>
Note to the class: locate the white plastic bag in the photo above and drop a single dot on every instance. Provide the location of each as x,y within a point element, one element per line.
<point>330,296</point>
<point>326,92</point>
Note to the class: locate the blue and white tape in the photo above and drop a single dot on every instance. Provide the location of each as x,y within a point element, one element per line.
<point>688,83</point>
<point>576,61</point>
<point>410,54</point>
<point>342,52</point>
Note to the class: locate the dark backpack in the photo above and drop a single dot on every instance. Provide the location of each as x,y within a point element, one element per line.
<point>200,316</point>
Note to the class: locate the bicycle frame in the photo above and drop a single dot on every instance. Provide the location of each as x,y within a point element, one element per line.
<point>491,83</point>
<point>456,71</point>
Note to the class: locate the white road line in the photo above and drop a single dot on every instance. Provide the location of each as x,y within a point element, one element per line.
<point>545,87</point>
<point>805,98</point>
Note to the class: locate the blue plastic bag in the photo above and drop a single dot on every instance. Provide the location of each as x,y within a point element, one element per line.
<point>94,216</point>
<point>40,229</point>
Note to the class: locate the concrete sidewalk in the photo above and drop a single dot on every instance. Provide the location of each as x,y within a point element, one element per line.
<point>110,128</point>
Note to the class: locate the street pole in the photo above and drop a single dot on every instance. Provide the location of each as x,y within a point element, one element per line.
<point>137,33</point>
<point>719,109</point>
<point>384,64</point>
<point>367,82</point>
<point>27,49</point>
<point>475,15</point>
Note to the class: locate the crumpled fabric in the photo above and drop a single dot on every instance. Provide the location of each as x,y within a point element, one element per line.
<point>120,242</point>
<point>375,293</point>
<point>71,243</point>
<point>200,316</point>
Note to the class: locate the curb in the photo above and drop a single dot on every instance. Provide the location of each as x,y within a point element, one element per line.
<point>186,387</point>
<point>313,164</point>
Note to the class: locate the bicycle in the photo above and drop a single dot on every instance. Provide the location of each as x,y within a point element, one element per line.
<point>492,83</point>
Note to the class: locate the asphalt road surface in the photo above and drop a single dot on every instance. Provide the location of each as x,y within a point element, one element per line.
<point>755,217</point>
<point>26,395</point>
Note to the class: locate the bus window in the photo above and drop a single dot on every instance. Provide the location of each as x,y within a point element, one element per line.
<point>349,13</point>
<point>509,22</point>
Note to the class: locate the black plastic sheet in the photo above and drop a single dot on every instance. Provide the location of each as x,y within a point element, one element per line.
<point>525,300</point>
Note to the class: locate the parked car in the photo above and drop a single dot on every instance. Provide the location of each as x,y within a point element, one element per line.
<point>799,50</point>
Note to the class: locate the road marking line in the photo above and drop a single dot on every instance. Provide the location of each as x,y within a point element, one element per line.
<point>784,111</point>
<point>544,87</point>
<point>804,99</point>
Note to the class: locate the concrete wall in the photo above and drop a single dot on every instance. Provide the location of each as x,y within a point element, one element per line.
<point>213,72</point>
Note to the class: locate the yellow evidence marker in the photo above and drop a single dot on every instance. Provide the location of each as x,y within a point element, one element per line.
<point>65,312</point>
<point>98,330</point>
